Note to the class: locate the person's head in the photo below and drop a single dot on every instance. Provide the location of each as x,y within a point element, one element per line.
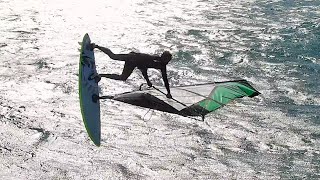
<point>166,56</point>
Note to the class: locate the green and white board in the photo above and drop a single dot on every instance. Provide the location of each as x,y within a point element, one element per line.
<point>90,109</point>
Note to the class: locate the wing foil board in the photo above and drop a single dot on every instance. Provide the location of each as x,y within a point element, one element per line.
<point>88,88</point>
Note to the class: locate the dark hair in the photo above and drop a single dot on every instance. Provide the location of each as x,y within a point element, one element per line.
<point>166,54</point>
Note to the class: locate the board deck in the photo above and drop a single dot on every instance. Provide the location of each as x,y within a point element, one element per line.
<point>88,88</point>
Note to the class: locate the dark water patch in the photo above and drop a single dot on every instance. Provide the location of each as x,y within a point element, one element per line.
<point>15,120</point>
<point>295,45</point>
<point>186,57</point>
<point>14,115</point>
<point>206,136</point>
<point>58,170</point>
<point>9,107</point>
<point>306,140</point>
<point>157,23</point>
<point>210,15</point>
<point>158,168</point>
<point>69,134</point>
<point>299,37</point>
<point>225,59</point>
<point>315,135</point>
<point>305,70</point>
<point>274,146</point>
<point>65,87</point>
<point>4,150</point>
<point>177,19</point>
<point>190,156</point>
<point>206,153</point>
<point>199,34</point>
<point>286,165</point>
<point>297,41</point>
<point>283,10</point>
<point>248,146</point>
<point>142,154</point>
<point>171,34</point>
<point>3,45</point>
<point>35,29</point>
<point>184,40</point>
<point>37,129</point>
<point>127,173</point>
<point>34,18</point>
<point>22,32</point>
<point>59,114</point>
<point>40,63</point>
<point>11,149</point>
<point>14,17</point>
<point>295,54</point>
<point>288,5</point>
<point>304,112</point>
<point>281,100</point>
<point>26,36</point>
<point>315,166</point>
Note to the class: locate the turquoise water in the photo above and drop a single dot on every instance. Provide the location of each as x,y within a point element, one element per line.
<point>272,44</point>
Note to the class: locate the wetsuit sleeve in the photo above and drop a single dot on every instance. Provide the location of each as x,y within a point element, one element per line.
<point>165,79</point>
<point>121,57</point>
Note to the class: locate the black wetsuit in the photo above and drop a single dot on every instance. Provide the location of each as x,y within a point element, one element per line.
<point>139,60</point>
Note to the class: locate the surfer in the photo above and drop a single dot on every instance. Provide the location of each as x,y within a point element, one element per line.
<point>142,62</point>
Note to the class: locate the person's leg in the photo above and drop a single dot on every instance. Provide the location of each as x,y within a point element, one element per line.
<point>119,57</point>
<point>126,72</point>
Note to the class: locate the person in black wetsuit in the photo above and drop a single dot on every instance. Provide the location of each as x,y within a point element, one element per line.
<point>142,62</point>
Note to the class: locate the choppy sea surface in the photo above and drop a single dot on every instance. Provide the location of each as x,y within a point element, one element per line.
<point>273,44</point>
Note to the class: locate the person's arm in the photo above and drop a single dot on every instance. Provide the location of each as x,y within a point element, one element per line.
<point>165,80</point>
<point>145,75</point>
<point>121,57</point>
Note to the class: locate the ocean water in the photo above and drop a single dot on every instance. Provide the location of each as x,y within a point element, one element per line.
<point>273,44</point>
